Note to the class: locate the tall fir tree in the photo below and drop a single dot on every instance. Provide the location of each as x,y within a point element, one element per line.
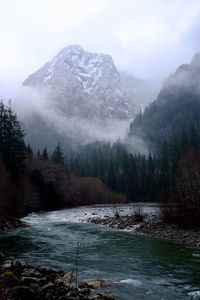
<point>132,179</point>
<point>111,179</point>
<point>57,155</point>
<point>193,138</point>
<point>45,154</point>
<point>29,150</point>
<point>164,165</point>
<point>12,146</point>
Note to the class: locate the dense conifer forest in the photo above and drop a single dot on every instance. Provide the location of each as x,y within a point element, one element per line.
<point>32,182</point>
<point>102,172</point>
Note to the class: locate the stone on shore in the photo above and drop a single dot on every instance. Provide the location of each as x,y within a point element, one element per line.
<point>19,281</point>
<point>156,228</point>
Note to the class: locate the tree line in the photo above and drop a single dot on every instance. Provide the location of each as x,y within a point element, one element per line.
<point>135,175</point>
<point>97,173</point>
<point>31,182</point>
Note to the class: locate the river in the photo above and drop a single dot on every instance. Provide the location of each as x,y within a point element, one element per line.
<point>142,267</point>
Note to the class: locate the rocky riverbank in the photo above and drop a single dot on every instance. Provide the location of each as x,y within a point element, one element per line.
<point>10,223</point>
<point>19,281</point>
<point>139,223</point>
<point>119,222</point>
<point>161,230</point>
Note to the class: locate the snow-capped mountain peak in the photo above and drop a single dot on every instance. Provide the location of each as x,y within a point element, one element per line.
<point>85,84</point>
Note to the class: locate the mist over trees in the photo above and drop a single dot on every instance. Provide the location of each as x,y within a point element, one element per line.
<point>50,181</point>
<point>102,172</point>
<point>171,128</point>
<point>31,182</point>
<point>12,146</point>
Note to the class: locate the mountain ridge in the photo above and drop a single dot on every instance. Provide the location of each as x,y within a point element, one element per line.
<point>83,83</point>
<point>88,85</point>
<point>176,111</point>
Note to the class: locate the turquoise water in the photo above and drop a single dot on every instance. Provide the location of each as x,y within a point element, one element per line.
<point>143,268</point>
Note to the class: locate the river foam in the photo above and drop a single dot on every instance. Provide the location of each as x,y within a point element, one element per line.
<point>135,282</point>
<point>194,295</point>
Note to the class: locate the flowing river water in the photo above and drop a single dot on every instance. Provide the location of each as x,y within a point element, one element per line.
<point>142,267</point>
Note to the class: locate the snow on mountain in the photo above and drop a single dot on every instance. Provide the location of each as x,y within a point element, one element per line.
<point>84,84</point>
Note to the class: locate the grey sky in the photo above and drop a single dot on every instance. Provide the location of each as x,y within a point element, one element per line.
<point>148,38</point>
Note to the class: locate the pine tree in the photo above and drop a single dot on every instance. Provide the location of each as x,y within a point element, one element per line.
<point>12,146</point>
<point>29,150</point>
<point>193,138</point>
<point>111,180</point>
<point>143,176</point>
<point>101,168</point>
<point>57,155</point>
<point>184,142</point>
<point>45,154</point>
<point>150,174</point>
<point>74,165</point>
<point>132,179</point>
<point>164,165</point>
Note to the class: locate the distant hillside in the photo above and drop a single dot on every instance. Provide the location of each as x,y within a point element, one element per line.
<point>176,109</point>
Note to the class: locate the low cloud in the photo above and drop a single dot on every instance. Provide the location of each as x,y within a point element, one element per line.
<point>29,105</point>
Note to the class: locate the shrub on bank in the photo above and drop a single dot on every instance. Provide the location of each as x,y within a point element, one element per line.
<point>186,211</point>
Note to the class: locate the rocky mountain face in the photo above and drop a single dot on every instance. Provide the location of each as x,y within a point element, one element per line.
<point>84,84</point>
<point>87,99</point>
<point>88,85</point>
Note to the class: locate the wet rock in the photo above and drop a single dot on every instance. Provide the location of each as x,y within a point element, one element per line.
<point>94,284</point>
<point>104,295</point>
<point>45,269</point>
<point>47,286</point>
<point>7,264</point>
<point>29,280</point>
<point>85,291</point>
<point>18,264</point>
<point>35,287</point>
<point>21,293</point>
<point>59,282</point>
<point>48,296</point>
<point>31,273</point>
<point>9,278</point>
<point>68,276</point>
<point>168,232</point>
<point>19,281</point>
<point>83,285</point>
<point>119,222</point>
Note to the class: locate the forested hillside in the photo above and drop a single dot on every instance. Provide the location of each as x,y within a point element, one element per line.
<point>175,113</point>
<point>171,128</point>
<point>102,172</point>
<point>31,182</point>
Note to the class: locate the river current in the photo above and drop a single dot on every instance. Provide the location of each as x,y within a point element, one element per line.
<point>141,267</point>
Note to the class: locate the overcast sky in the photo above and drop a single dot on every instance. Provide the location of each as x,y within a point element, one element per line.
<point>148,38</point>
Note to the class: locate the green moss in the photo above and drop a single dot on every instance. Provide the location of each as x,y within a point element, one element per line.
<point>9,274</point>
<point>9,278</point>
